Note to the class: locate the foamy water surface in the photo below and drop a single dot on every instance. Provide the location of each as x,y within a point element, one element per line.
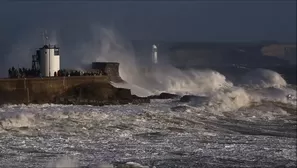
<point>234,127</point>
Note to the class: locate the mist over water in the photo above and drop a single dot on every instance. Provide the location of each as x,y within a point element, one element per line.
<point>108,45</point>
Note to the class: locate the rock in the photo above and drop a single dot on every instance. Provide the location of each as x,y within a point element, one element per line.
<point>164,96</point>
<point>124,94</point>
<point>98,95</point>
<point>140,100</point>
<point>179,108</point>
<point>188,98</point>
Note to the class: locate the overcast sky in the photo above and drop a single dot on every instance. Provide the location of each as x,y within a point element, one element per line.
<point>198,21</point>
<point>22,21</point>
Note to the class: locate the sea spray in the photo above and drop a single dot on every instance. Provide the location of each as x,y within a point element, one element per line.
<point>263,78</point>
<point>108,45</point>
<point>230,100</point>
<point>16,120</point>
<point>194,82</point>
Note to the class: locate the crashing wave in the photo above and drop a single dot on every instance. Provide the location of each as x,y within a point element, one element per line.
<point>263,78</point>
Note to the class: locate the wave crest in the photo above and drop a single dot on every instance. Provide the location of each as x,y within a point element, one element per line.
<point>196,82</point>
<point>264,78</point>
<point>16,120</point>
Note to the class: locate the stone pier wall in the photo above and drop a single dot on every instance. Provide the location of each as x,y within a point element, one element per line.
<point>43,90</point>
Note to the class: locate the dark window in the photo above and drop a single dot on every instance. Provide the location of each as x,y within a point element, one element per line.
<point>57,52</point>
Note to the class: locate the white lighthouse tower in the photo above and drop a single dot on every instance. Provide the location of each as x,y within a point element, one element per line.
<point>49,59</point>
<point>154,54</point>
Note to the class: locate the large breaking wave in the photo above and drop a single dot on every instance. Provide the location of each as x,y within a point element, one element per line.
<point>257,85</point>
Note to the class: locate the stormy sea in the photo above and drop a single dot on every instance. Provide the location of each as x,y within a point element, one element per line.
<point>227,119</point>
<point>247,122</point>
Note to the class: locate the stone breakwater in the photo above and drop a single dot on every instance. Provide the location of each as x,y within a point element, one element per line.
<point>93,90</point>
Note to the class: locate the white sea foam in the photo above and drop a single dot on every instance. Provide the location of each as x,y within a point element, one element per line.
<point>64,162</point>
<point>122,132</point>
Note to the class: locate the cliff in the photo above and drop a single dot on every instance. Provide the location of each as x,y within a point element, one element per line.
<point>94,90</point>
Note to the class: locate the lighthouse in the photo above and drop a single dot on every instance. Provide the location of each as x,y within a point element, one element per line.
<point>154,54</point>
<point>49,58</point>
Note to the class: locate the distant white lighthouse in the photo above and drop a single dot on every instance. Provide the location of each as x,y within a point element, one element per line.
<point>154,54</point>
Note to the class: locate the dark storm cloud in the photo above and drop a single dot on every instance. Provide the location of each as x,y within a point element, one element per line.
<point>22,23</point>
